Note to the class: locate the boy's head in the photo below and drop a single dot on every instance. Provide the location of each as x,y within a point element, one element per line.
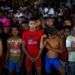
<point>14,31</point>
<point>50,21</point>
<point>32,24</point>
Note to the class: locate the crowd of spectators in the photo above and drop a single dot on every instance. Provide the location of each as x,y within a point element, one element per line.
<point>62,16</point>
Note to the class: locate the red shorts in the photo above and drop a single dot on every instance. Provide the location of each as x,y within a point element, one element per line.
<point>29,63</point>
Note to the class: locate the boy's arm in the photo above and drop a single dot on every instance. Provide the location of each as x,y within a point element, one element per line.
<point>42,42</point>
<point>8,48</point>
<point>42,45</point>
<point>25,51</point>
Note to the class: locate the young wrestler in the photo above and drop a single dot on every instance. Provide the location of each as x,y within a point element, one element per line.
<point>31,40</point>
<point>14,53</point>
<point>53,44</point>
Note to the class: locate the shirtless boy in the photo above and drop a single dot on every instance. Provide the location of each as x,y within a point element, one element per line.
<point>53,44</point>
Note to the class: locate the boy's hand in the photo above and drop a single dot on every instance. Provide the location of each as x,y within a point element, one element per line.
<point>44,36</point>
<point>37,57</point>
<point>32,59</point>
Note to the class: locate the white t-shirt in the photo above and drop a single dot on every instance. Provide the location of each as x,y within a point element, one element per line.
<point>70,42</point>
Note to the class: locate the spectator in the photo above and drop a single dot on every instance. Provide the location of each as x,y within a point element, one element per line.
<point>14,52</point>
<point>52,61</point>
<point>70,45</point>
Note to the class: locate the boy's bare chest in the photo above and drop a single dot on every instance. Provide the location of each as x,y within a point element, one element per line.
<point>54,43</point>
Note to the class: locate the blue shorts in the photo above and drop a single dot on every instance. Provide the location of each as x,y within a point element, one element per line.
<point>11,65</point>
<point>52,63</point>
